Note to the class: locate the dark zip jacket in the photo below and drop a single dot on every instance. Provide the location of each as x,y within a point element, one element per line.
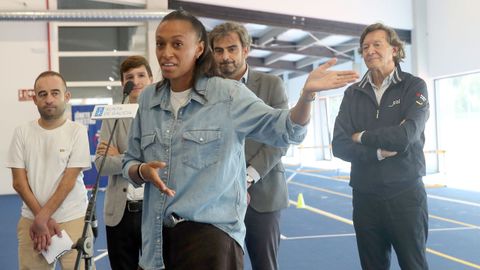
<point>396,124</point>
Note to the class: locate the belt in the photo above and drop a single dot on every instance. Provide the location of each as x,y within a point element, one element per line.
<point>172,220</point>
<point>134,206</point>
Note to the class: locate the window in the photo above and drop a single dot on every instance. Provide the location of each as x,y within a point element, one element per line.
<point>89,56</point>
<point>458,114</point>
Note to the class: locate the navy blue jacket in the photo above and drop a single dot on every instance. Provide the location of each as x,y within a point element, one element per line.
<point>405,100</point>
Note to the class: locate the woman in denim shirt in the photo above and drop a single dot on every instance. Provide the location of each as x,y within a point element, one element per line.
<point>187,145</point>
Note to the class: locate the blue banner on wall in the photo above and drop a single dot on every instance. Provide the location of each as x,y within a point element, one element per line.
<point>82,114</point>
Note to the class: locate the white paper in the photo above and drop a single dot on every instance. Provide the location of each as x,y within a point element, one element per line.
<point>58,247</point>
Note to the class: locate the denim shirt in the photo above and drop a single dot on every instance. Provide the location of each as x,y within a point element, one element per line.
<point>204,151</point>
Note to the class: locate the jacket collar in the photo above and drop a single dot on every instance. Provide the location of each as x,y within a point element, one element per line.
<point>253,79</point>
<point>397,77</point>
<point>246,76</point>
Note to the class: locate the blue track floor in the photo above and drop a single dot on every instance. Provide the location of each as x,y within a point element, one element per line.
<point>321,236</point>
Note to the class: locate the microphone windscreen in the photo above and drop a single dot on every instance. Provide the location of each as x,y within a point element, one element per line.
<point>128,88</point>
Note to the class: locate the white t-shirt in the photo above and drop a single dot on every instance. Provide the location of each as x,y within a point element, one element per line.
<point>179,99</point>
<point>45,154</point>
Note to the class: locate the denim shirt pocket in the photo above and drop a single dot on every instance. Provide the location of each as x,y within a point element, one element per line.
<point>201,147</point>
<point>147,143</point>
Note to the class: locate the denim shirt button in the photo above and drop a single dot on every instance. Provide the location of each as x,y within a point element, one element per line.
<point>201,139</point>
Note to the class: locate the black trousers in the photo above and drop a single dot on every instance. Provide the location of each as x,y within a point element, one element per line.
<point>192,245</point>
<point>124,241</point>
<point>401,222</point>
<point>262,238</point>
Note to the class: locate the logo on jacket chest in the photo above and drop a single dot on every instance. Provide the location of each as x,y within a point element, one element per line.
<point>394,103</point>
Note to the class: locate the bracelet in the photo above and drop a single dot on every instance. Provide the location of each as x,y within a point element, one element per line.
<point>139,171</point>
<point>313,95</point>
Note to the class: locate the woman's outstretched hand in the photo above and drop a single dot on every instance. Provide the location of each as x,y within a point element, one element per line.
<point>321,79</point>
<point>150,173</point>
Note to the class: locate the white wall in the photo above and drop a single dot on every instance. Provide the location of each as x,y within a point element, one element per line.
<point>453,39</point>
<point>24,53</point>
<point>396,13</point>
<point>25,47</point>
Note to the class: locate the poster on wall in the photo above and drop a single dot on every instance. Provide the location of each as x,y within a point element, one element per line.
<point>82,114</point>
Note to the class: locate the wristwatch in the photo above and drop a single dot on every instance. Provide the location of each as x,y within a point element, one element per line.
<point>311,96</point>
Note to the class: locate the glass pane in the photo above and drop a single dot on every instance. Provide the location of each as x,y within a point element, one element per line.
<point>102,38</point>
<point>458,115</point>
<point>333,109</point>
<point>95,95</point>
<point>90,68</point>
<point>93,4</point>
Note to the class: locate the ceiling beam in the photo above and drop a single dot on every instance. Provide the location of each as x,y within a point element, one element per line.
<point>309,41</point>
<point>283,65</point>
<point>293,75</point>
<point>278,20</point>
<point>347,46</point>
<point>289,47</point>
<point>272,58</point>
<point>279,72</point>
<point>271,35</point>
<point>305,62</point>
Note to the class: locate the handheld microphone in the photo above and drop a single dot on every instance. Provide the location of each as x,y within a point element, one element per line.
<point>128,88</point>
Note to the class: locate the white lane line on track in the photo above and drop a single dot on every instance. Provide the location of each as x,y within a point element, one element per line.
<point>346,181</point>
<point>284,237</point>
